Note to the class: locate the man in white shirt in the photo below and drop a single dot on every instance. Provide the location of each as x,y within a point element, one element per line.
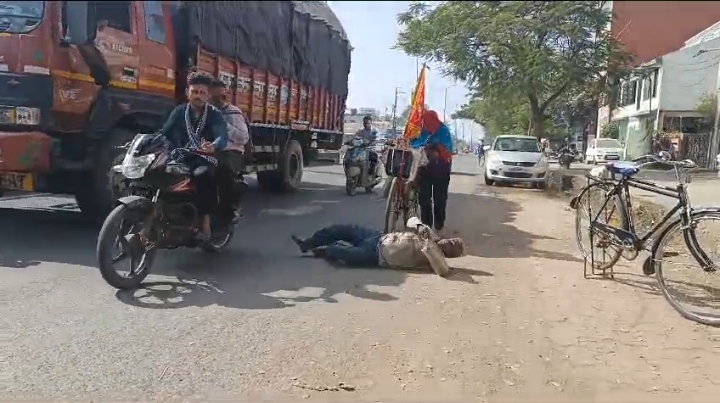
<point>235,154</point>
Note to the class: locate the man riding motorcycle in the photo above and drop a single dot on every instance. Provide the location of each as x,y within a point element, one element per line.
<point>369,135</point>
<point>196,130</point>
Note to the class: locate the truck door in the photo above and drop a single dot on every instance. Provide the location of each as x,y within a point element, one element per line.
<point>157,47</point>
<point>117,40</point>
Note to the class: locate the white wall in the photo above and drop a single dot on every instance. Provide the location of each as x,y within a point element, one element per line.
<point>685,78</point>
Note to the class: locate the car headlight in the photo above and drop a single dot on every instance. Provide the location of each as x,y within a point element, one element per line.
<point>27,116</point>
<point>494,160</point>
<point>135,167</point>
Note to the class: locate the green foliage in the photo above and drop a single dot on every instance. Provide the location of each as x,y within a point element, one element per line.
<point>610,130</point>
<point>532,52</point>
<point>707,106</point>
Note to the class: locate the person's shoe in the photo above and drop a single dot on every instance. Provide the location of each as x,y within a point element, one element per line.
<point>299,242</point>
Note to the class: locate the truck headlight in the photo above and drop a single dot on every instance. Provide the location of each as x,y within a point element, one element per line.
<point>27,116</point>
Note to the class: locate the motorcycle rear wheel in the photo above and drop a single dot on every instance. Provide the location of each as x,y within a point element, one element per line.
<point>120,220</point>
<point>350,185</point>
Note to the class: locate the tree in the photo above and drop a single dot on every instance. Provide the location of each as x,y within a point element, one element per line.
<point>534,51</point>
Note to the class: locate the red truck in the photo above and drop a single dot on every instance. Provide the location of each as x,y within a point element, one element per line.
<point>80,78</point>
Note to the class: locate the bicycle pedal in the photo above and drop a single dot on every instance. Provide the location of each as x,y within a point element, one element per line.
<point>648,268</point>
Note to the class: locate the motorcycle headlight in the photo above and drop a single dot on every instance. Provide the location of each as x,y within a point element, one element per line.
<point>135,167</point>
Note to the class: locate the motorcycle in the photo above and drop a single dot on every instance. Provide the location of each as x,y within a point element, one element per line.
<point>357,167</point>
<point>565,158</point>
<point>156,212</point>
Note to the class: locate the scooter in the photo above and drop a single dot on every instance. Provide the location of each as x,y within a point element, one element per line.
<point>357,167</point>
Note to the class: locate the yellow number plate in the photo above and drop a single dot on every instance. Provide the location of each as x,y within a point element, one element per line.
<point>16,181</point>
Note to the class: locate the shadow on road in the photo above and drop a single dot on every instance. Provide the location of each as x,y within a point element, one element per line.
<point>262,268</point>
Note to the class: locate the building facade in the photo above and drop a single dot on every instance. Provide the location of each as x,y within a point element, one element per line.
<point>653,31</point>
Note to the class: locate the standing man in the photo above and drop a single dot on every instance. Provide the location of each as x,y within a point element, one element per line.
<point>232,161</point>
<point>434,178</point>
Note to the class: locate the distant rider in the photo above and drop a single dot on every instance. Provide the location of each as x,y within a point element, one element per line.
<point>197,130</point>
<point>369,135</point>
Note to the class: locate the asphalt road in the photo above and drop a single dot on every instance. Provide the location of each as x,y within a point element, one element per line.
<point>206,323</point>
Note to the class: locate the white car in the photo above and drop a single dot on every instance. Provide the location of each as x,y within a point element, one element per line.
<point>603,150</point>
<point>516,159</point>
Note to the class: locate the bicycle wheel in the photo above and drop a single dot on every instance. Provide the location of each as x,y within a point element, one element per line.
<point>412,204</point>
<point>392,207</point>
<point>697,296</point>
<point>604,253</point>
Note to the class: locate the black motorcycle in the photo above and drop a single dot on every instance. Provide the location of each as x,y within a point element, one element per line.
<point>157,212</point>
<point>358,167</point>
<point>565,157</point>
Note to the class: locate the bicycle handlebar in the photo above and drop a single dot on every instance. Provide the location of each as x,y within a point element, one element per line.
<point>664,159</point>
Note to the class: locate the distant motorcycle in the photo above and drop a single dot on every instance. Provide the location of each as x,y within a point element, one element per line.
<point>357,167</point>
<point>565,158</point>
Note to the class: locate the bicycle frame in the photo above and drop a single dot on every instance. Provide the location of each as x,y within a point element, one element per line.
<point>628,236</point>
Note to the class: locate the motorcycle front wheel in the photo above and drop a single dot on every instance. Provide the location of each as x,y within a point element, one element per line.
<point>119,240</point>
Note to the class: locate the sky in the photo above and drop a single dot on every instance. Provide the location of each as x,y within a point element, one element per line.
<point>377,69</point>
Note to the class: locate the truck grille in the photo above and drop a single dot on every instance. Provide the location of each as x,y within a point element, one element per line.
<point>519,164</point>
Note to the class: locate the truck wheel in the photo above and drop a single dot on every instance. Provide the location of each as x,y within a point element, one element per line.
<point>289,174</point>
<point>101,187</point>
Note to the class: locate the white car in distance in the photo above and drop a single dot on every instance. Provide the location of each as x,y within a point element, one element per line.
<point>603,150</point>
<point>516,159</point>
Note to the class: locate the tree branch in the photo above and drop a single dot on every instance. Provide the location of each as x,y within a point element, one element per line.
<point>554,96</point>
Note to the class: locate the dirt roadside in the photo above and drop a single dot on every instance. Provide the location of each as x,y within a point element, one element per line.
<point>517,322</point>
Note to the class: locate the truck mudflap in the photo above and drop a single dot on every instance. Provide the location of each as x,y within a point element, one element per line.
<point>23,154</point>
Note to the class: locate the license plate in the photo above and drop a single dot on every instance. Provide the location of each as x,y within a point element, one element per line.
<point>16,181</point>
<point>612,157</point>
<point>7,116</point>
<point>516,169</point>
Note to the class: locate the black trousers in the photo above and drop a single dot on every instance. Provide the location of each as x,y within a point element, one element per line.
<point>206,194</point>
<point>433,188</point>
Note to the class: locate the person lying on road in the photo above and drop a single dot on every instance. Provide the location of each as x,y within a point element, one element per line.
<point>359,246</point>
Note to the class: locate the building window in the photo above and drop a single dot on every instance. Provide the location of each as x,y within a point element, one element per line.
<point>114,14</point>
<point>628,93</point>
<point>154,21</point>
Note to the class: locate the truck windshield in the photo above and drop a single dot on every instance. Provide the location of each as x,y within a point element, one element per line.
<point>20,17</point>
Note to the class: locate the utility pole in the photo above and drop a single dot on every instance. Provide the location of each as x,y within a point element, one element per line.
<point>394,109</point>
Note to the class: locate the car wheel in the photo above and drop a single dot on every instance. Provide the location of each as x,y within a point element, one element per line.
<point>488,181</point>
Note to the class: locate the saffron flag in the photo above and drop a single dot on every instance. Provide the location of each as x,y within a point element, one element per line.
<point>417,106</point>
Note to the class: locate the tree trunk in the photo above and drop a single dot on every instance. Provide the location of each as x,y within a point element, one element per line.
<point>537,117</point>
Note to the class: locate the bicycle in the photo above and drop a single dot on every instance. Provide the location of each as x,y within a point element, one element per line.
<point>401,165</point>
<point>620,235</point>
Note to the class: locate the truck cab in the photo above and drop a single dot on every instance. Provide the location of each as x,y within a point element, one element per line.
<point>80,78</point>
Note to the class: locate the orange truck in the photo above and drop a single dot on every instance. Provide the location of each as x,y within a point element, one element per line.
<point>80,78</point>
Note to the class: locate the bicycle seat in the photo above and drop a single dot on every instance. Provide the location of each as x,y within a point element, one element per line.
<point>625,169</point>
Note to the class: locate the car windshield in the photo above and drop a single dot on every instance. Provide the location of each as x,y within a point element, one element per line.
<point>517,144</point>
<point>608,143</point>
<point>20,17</point>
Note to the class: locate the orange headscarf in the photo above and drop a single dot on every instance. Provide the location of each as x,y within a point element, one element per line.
<point>431,121</point>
